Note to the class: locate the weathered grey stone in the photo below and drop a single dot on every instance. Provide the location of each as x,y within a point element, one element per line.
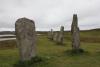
<point>26,38</point>
<point>75,33</point>
<point>55,37</point>
<point>61,35</point>
<point>50,34</point>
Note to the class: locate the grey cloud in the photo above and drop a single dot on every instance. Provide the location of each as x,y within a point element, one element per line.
<point>50,13</point>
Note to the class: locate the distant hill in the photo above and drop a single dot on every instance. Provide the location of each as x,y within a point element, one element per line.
<point>7,32</point>
<point>45,32</point>
<point>98,29</point>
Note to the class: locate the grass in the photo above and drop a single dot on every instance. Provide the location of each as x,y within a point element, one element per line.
<point>56,55</point>
<point>8,44</point>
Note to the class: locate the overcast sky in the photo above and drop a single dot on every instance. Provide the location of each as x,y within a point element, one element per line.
<point>49,14</point>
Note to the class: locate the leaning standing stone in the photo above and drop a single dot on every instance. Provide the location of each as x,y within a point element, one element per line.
<point>75,33</point>
<point>51,34</point>
<point>26,38</point>
<point>55,37</point>
<point>61,35</point>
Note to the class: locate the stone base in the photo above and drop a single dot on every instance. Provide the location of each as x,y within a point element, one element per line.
<point>75,52</point>
<point>28,63</point>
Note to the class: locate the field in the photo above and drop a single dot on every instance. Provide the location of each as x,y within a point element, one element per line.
<point>56,55</point>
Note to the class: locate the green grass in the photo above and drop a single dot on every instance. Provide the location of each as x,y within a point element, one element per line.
<point>55,55</point>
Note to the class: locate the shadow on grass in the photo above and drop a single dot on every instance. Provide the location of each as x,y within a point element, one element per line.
<point>60,44</point>
<point>32,63</point>
<point>76,52</point>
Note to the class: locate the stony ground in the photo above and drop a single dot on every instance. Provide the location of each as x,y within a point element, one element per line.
<point>55,55</point>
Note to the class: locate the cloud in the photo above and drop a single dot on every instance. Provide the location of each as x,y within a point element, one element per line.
<point>49,14</point>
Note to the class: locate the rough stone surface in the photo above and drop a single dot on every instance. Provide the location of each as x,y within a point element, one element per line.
<point>55,37</point>
<point>51,34</point>
<point>26,38</point>
<point>61,35</point>
<point>75,33</point>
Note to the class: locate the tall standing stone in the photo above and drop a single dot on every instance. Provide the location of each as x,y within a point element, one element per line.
<point>61,35</point>
<point>75,33</point>
<point>26,38</point>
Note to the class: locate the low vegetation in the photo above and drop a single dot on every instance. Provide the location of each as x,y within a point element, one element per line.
<point>54,55</point>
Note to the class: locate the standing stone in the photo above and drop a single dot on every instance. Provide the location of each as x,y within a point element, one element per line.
<point>55,37</point>
<point>26,38</point>
<point>75,33</point>
<point>61,35</point>
<point>50,34</point>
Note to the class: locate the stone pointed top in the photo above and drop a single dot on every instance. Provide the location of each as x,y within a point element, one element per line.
<point>74,15</point>
<point>75,20</point>
<point>74,23</point>
<point>62,28</point>
<point>51,29</point>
